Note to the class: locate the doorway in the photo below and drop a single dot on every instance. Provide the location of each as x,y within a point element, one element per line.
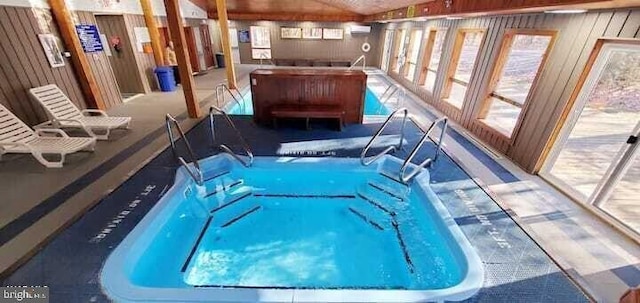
<point>386,50</point>
<point>121,55</point>
<point>595,156</point>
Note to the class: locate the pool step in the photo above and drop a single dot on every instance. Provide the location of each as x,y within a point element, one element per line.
<point>367,218</point>
<point>380,202</point>
<point>223,186</point>
<point>395,192</point>
<point>224,199</point>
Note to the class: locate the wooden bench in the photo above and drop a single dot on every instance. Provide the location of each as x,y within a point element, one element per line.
<point>307,111</point>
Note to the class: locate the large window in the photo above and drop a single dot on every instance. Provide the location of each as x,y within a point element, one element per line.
<point>519,62</point>
<point>463,60</point>
<point>414,50</point>
<point>431,61</point>
<point>399,51</point>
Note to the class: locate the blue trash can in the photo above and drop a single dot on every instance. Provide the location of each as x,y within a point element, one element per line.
<point>165,78</point>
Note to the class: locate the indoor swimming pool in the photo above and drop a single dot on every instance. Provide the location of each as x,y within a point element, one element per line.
<point>372,105</point>
<point>275,232</point>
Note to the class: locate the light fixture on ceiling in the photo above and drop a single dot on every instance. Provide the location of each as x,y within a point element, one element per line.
<point>566,11</point>
<point>448,3</point>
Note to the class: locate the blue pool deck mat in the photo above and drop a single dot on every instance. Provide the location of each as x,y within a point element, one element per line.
<point>516,269</point>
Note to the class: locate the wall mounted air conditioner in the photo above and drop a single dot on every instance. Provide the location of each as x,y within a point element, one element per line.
<point>360,29</point>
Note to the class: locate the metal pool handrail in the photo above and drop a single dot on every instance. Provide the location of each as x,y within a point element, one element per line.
<point>264,57</point>
<point>398,90</point>
<point>197,174</point>
<point>391,148</point>
<point>225,148</point>
<point>222,88</point>
<point>428,161</point>
<point>364,62</point>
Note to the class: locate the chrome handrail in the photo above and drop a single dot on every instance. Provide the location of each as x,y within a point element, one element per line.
<point>222,87</point>
<point>399,91</point>
<point>361,58</point>
<point>413,153</point>
<point>391,148</point>
<point>225,148</point>
<point>197,175</point>
<point>264,57</point>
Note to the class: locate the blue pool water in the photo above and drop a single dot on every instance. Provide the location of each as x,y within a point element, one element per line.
<point>344,230</point>
<point>372,105</point>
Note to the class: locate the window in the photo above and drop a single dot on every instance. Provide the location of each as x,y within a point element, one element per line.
<point>432,54</point>
<point>386,52</point>
<point>519,62</point>
<point>414,50</point>
<point>399,50</point>
<point>463,59</point>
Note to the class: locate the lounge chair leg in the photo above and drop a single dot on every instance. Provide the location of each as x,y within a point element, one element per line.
<point>47,163</point>
<point>92,147</point>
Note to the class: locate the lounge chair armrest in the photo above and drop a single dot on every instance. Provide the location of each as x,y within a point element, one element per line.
<point>9,144</point>
<point>80,124</point>
<point>44,131</point>
<point>94,111</point>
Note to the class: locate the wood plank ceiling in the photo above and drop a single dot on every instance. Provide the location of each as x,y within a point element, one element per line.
<point>340,10</point>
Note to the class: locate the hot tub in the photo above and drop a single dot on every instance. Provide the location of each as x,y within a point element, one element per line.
<point>295,230</point>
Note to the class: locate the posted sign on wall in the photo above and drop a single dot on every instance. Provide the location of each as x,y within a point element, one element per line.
<point>89,38</point>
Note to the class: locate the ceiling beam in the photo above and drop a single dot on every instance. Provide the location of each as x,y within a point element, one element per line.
<point>288,17</point>
<point>468,8</point>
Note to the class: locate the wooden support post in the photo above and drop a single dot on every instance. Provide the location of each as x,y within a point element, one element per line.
<point>154,34</point>
<point>81,66</point>
<point>226,43</point>
<point>174,21</point>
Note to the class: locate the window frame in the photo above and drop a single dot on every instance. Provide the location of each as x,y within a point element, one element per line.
<point>496,73</point>
<point>428,53</point>
<point>455,60</point>
<point>412,42</point>
<point>397,45</point>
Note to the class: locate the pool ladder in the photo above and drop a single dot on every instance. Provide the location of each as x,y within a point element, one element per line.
<point>237,97</point>
<point>196,171</point>
<point>362,59</point>
<point>403,175</point>
<point>391,91</point>
<point>245,146</point>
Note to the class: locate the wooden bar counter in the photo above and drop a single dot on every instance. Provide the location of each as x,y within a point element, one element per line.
<point>342,91</point>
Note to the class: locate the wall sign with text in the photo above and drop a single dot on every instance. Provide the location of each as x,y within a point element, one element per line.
<point>89,38</point>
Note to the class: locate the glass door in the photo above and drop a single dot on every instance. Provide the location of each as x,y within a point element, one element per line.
<point>594,158</point>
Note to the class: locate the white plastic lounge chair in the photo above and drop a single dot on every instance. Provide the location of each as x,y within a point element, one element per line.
<point>17,137</point>
<point>64,114</point>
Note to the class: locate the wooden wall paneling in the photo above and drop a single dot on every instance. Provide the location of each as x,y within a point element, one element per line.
<point>347,49</point>
<point>145,62</point>
<point>543,123</point>
<point>31,44</point>
<point>96,67</point>
<point>16,73</point>
<point>101,67</point>
<point>631,25</point>
<point>475,91</point>
<point>61,76</point>
<point>122,62</point>
<point>20,63</point>
<point>560,60</point>
<point>616,23</point>
<point>12,94</point>
<point>539,119</point>
<point>576,35</point>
